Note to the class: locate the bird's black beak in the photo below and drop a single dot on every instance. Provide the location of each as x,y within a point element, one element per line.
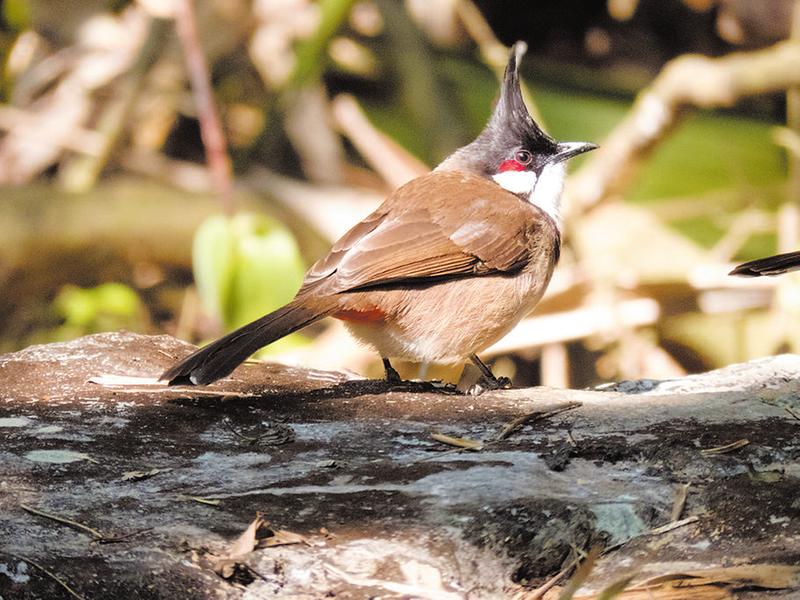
<point>567,150</point>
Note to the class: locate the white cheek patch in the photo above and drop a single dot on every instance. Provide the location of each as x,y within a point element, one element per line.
<point>544,192</point>
<point>547,194</point>
<point>516,182</point>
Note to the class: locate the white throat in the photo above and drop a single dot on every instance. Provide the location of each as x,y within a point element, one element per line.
<point>544,192</point>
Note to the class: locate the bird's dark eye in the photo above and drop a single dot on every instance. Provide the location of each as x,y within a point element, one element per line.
<point>523,157</point>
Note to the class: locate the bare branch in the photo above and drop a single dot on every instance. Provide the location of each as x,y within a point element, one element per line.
<point>210,127</point>
<point>687,81</point>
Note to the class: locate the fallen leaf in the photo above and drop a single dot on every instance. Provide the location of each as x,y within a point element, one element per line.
<point>679,502</point>
<point>281,537</point>
<point>770,476</point>
<point>246,542</point>
<point>140,475</point>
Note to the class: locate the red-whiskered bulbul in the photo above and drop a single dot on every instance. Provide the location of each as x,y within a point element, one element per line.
<point>771,265</point>
<point>445,267</point>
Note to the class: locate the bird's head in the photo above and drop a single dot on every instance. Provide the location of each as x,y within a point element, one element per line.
<point>514,151</point>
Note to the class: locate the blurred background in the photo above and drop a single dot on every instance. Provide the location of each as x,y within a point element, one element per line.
<point>171,166</point>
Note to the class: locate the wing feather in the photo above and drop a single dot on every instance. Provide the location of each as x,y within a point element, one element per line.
<point>416,236</point>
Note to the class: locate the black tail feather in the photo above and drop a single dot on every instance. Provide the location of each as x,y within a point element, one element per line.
<point>771,265</point>
<point>222,356</point>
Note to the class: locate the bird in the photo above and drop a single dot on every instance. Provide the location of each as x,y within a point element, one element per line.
<point>447,265</point>
<point>770,265</point>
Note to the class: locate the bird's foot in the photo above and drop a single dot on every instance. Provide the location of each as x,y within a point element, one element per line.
<point>488,381</point>
<point>485,385</point>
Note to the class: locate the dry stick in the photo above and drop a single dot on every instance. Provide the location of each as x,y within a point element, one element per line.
<point>493,51</point>
<point>463,445</point>
<point>392,162</point>
<point>687,81</point>
<point>533,417</point>
<point>47,572</point>
<point>81,173</point>
<point>679,503</point>
<point>74,524</point>
<point>674,525</point>
<point>210,126</point>
<point>98,537</point>
<point>81,140</point>
<point>655,531</point>
<point>581,574</point>
<point>733,446</point>
<point>547,585</point>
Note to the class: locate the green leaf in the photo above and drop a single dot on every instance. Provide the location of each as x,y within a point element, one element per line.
<point>213,258</point>
<point>106,307</point>
<point>17,13</point>
<point>268,269</point>
<point>246,266</point>
<point>311,57</point>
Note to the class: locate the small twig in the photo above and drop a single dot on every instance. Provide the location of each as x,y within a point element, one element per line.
<point>673,525</point>
<point>208,501</point>
<point>461,443</point>
<point>69,522</point>
<point>547,585</point>
<point>394,164</point>
<point>733,446</point>
<point>81,173</point>
<point>571,439</point>
<point>121,538</point>
<point>679,503</point>
<point>98,537</point>
<point>181,391</point>
<point>792,412</point>
<point>655,531</point>
<point>533,417</point>
<point>581,573</point>
<point>247,438</point>
<point>47,572</point>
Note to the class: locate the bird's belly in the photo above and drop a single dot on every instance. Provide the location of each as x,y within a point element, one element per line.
<point>444,323</point>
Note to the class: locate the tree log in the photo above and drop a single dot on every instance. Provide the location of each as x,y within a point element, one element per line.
<point>361,499</point>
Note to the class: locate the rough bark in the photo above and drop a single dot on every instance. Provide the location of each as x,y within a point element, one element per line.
<point>383,507</point>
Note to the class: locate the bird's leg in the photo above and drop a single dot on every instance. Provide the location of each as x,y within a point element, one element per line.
<point>392,376</point>
<point>488,380</point>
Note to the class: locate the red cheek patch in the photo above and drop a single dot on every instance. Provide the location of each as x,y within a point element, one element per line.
<point>510,165</point>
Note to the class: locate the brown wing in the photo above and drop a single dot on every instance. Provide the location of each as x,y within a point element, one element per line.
<point>418,235</point>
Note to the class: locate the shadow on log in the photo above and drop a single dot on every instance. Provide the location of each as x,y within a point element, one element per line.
<point>379,506</point>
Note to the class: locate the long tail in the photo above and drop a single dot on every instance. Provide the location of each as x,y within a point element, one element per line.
<point>221,357</point>
<point>771,265</point>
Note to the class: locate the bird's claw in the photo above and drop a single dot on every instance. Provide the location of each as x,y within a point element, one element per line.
<point>485,384</point>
